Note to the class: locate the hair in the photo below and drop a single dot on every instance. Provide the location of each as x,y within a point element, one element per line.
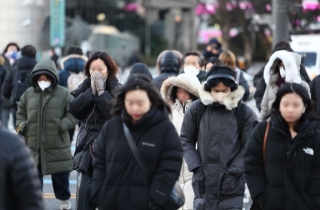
<point>282,45</point>
<point>298,89</point>
<point>215,61</point>
<point>108,61</point>
<point>74,50</point>
<point>29,51</point>
<point>137,82</point>
<point>173,94</point>
<point>229,59</point>
<point>215,82</point>
<point>11,44</point>
<point>201,59</point>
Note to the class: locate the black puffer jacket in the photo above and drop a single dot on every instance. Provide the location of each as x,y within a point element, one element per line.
<point>23,64</point>
<point>19,180</point>
<point>118,180</point>
<point>218,158</point>
<point>315,92</point>
<point>290,178</point>
<point>93,112</point>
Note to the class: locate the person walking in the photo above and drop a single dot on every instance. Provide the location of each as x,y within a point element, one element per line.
<point>180,92</point>
<point>20,185</point>
<point>141,68</point>
<point>219,124</point>
<point>282,67</point>
<point>169,63</point>
<point>119,181</point>
<point>92,104</point>
<point>43,120</point>
<point>213,49</point>
<point>281,161</point>
<point>17,80</point>
<point>315,92</point>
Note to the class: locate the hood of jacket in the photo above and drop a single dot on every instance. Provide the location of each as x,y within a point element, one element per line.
<point>188,82</point>
<point>47,67</point>
<point>291,62</point>
<point>141,68</point>
<point>73,63</point>
<point>26,63</point>
<point>230,102</point>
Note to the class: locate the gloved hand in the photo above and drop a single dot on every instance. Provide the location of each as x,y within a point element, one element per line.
<point>99,82</point>
<point>93,86</point>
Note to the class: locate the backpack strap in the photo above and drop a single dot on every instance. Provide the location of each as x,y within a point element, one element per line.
<point>199,111</point>
<point>241,114</point>
<point>265,142</point>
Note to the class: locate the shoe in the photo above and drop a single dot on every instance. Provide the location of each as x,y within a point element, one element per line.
<point>65,205</point>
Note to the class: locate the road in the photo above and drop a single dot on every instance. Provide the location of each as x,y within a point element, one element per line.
<point>53,204</point>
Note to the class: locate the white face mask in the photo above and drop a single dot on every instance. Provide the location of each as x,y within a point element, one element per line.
<point>44,84</point>
<point>220,96</point>
<point>191,70</point>
<point>282,72</point>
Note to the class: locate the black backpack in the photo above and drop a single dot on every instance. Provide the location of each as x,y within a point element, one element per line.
<point>20,84</point>
<point>240,112</point>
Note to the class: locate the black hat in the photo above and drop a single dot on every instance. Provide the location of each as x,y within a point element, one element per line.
<point>221,72</point>
<point>142,69</point>
<point>169,62</point>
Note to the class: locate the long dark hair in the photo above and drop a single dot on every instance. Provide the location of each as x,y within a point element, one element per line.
<point>108,61</point>
<point>138,82</point>
<point>288,88</point>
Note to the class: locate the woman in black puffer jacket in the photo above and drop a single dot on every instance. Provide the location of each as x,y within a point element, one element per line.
<point>285,173</point>
<point>92,105</point>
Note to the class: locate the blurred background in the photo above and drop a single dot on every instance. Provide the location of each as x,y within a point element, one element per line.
<point>144,28</point>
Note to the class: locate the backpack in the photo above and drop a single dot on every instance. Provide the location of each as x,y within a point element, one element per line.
<point>20,84</point>
<point>240,113</point>
<point>74,80</point>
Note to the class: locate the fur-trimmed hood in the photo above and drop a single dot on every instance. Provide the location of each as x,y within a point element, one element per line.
<point>230,102</point>
<point>291,62</point>
<point>187,82</point>
<point>67,64</point>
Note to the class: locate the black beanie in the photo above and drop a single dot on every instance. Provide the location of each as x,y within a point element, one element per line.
<point>220,72</point>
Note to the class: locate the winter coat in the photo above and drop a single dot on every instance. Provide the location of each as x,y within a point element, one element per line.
<point>3,74</point>
<point>261,85</point>
<point>118,180</point>
<point>290,177</point>
<point>315,92</point>
<point>243,82</point>
<point>218,159</point>
<point>189,83</point>
<point>19,180</point>
<point>71,63</point>
<point>93,111</point>
<point>270,78</point>
<point>43,119</point>
<point>23,64</point>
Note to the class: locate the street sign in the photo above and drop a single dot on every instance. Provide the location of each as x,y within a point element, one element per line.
<point>57,23</point>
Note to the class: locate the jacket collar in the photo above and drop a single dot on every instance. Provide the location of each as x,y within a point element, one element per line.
<point>229,102</point>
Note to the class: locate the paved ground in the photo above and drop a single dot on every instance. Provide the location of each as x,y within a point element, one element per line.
<point>52,204</point>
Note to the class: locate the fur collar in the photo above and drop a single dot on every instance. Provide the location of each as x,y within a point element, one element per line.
<point>187,82</point>
<point>230,102</point>
<point>290,64</point>
<point>72,56</point>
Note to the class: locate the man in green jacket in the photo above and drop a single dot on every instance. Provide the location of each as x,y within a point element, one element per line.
<point>43,120</point>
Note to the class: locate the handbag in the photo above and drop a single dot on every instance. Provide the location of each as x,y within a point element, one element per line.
<point>176,199</point>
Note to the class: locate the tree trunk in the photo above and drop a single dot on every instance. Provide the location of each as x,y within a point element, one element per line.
<point>225,23</point>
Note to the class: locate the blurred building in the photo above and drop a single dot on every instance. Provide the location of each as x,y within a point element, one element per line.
<point>22,21</point>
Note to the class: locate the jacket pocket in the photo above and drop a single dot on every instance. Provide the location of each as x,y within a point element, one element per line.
<point>232,185</point>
